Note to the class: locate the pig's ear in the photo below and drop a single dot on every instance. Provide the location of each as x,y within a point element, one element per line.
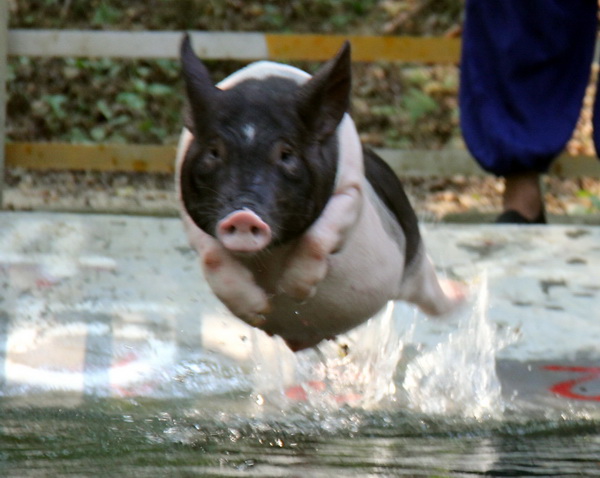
<point>201,92</point>
<point>324,99</point>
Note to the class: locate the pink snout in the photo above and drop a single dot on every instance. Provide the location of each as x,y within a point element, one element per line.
<point>243,231</point>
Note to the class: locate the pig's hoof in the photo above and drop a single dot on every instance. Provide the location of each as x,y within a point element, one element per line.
<point>447,298</point>
<point>251,309</point>
<point>257,320</point>
<point>454,291</point>
<point>298,291</point>
<point>300,283</point>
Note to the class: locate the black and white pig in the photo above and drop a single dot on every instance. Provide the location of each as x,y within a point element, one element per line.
<point>300,231</point>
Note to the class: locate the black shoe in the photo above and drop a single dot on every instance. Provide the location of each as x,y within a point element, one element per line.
<point>513,217</point>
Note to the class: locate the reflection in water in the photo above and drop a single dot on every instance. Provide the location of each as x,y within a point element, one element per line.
<point>138,438</point>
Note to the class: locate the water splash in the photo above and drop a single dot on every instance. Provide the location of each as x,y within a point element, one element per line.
<point>370,367</point>
<point>357,369</point>
<point>458,376</point>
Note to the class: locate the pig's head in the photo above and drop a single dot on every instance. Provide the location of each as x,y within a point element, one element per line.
<point>263,160</point>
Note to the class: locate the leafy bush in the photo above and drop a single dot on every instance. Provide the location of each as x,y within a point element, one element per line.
<point>104,100</point>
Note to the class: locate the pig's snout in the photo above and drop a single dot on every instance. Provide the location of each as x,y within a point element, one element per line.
<point>243,231</point>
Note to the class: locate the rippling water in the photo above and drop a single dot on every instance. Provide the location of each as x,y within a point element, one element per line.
<point>128,438</point>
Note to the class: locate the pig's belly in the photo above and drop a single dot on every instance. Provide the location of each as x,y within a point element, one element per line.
<point>353,292</point>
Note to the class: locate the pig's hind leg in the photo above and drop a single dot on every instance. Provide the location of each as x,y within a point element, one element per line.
<point>433,295</point>
<point>421,285</point>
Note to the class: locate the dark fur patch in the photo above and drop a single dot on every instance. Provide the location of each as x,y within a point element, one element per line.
<point>248,174</point>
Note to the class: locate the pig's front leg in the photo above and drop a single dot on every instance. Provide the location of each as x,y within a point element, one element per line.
<point>307,264</point>
<point>230,280</point>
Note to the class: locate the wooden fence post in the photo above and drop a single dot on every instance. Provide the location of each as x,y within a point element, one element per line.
<point>3,95</point>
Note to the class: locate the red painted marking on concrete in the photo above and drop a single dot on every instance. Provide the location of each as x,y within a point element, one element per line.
<point>565,389</point>
<point>563,368</point>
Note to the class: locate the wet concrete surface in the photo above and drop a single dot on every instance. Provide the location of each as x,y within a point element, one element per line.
<point>95,304</point>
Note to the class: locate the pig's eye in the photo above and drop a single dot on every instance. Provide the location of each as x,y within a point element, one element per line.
<point>288,160</point>
<point>210,160</point>
<point>213,153</point>
<point>286,155</point>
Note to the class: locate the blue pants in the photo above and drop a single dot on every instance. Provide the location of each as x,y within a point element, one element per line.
<point>524,70</point>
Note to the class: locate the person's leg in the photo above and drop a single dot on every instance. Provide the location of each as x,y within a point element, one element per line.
<point>596,119</point>
<point>523,196</point>
<point>524,70</point>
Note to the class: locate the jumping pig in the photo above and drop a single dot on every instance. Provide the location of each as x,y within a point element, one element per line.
<point>300,231</point>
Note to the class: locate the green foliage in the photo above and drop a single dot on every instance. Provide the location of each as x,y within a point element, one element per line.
<point>278,15</point>
<point>105,14</point>
<point>132,101</point>
<point>56,104</point>
<point>593,199</point>
<point>94,100</point>
<point>84,100</point>
<point>418,104</point>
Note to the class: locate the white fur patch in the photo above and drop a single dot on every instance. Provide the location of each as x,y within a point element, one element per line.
<point>249,132</point>
<point>264,69</point>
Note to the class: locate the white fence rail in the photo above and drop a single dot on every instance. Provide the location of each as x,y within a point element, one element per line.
<point>150,45</point>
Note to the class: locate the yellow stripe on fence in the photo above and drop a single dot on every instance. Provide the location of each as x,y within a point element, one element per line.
<point>91,157</point>
<point>364,48</point>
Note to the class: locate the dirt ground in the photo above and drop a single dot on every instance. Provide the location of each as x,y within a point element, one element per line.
<point>455,199</point>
